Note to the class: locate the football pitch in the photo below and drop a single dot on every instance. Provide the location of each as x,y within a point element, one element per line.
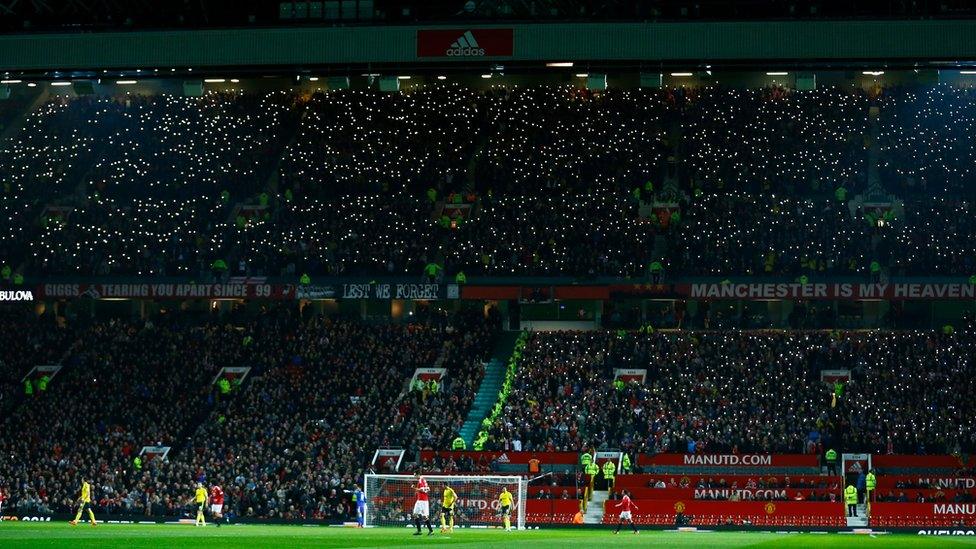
<point>16,535</point>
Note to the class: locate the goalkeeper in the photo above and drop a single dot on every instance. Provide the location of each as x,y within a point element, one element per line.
<point>447,510</point>
<point>505,504</point>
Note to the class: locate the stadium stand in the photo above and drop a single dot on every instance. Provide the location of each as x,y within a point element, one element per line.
<point>744,208</point>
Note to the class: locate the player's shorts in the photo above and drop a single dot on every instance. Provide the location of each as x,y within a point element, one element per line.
<point>506,510</point>
<point>421,508</point>
<point>216,508</point>
<point>201,506</point>
<point>625,515</point>
<point>447,511</point>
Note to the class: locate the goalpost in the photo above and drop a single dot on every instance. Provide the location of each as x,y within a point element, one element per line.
<point>390,499</point>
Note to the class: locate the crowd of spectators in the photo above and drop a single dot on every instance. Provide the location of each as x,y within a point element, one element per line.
<point>321,396</point>
<point>708,392</point>
<point>555,181</point>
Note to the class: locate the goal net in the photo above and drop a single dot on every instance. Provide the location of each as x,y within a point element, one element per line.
<point>390,499</point>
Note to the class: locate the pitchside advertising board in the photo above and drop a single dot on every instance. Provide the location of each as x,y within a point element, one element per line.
<point>465,43</point>
<point>730,460</point>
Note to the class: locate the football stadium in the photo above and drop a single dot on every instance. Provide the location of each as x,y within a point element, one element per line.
<point>541,273</point>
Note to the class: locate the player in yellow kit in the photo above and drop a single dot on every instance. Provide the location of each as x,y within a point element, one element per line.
<point>447,509</point>
<point>84,502</point>
<point>505,504</point>
<point>200,500</point>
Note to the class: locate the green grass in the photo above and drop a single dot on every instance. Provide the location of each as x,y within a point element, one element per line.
<point>16,535</point>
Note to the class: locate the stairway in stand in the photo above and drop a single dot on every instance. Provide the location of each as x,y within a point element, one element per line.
<point>861,520</point>
<point>594,509</point>
<point>487,395</point>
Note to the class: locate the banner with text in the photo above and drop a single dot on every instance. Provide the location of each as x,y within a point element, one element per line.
<point>166,291</point>
<point>719,494</point>
<point>960,511</point>
<point>392,291</point>
<point>739,480</point>
<point>823,290</point>
<point>730,460</point>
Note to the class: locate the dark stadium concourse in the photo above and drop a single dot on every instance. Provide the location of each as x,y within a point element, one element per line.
<point>445,269</point>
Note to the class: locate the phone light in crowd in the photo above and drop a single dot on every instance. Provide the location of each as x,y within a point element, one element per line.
<point>441,77</point>
<point>872,73</point>
<point>60,83</point>
<point>486,75</point>
<point>125,82</point>
<point>31,85</point>
<point>214,80</point>
<point>682,74</point>
<point>777,73</point>
<point>560,64</point>
<point>403,77</point>
<point>10,81</point>
<point>313,78</point>
<point>582,75</point>
<point>235,80</point>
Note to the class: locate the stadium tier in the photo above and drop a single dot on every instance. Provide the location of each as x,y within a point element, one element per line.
<point>546,180</point>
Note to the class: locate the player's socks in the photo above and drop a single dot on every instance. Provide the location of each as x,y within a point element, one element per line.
<point>416,521</point>
<point>430,529</point>
<point>91,515</point>
<point>443,523</point>
<point>508,524</point>
<point>452,523</point>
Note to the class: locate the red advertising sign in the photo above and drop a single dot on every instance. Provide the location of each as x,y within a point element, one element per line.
<point>740,481</point>
<point>697,508</point>
<point>465,43</point>
<point>961,511</point>
<point>744,494</point>
<point>730,460</point>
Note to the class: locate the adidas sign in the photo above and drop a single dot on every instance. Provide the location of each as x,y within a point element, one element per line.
<point>504,459</point>
<point>465,46</point>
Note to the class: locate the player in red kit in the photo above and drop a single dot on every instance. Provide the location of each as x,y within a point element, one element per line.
<point>217,503</point>
<point>627,505</point>
<point>421,508</point>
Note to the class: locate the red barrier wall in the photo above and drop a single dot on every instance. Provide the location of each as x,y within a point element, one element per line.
<point>562,458</point>
<point>930,495</point>
<point>713,512</point>
<point>916,462</point>
<point>741,508</point>
<point>541,511</point>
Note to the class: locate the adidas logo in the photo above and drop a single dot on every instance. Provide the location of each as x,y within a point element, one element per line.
<point>465,46</point>
<point>504,459</point>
